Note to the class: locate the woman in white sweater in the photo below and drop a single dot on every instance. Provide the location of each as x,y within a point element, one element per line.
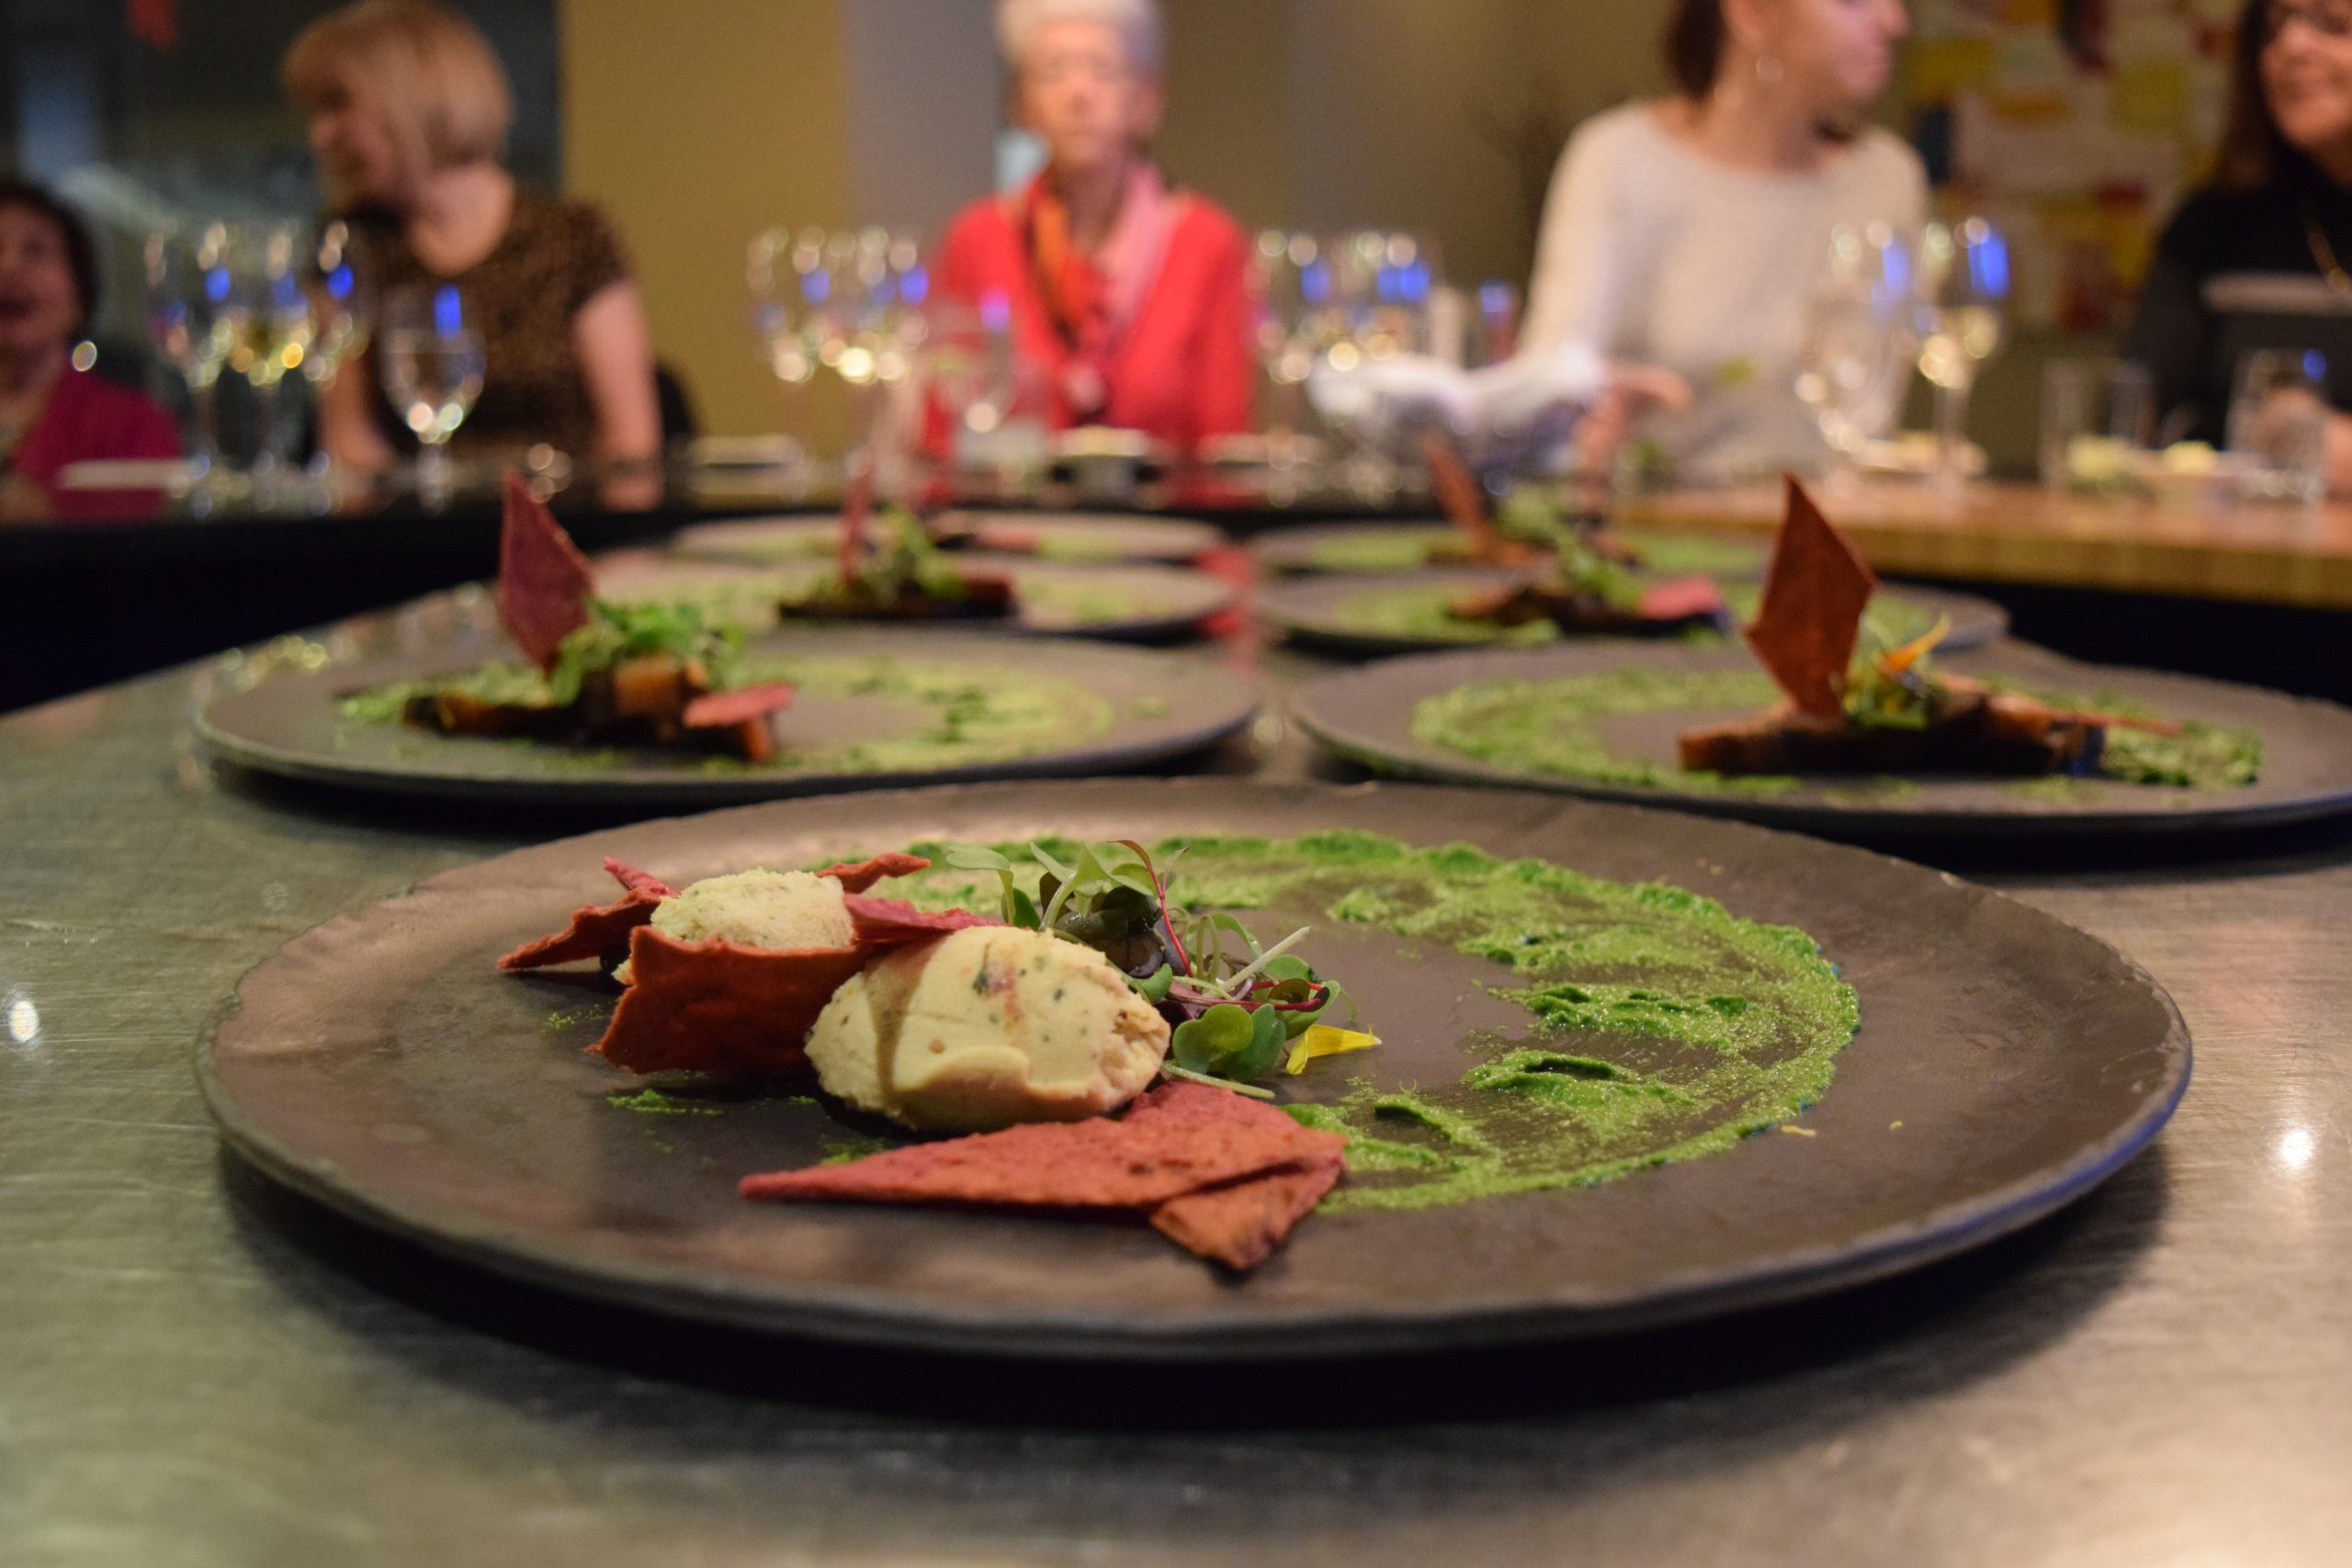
<point>1688,232</point>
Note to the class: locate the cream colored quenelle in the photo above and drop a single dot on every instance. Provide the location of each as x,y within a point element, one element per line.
<point>986,1029</point>
<point>783,912</point>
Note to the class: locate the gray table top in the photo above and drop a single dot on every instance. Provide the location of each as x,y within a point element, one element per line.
<point>200,1370</point>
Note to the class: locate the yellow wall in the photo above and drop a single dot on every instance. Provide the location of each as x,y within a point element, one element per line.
<point>698,123</point>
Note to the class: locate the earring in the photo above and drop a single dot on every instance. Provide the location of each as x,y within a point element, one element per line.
<point>1768,70</point>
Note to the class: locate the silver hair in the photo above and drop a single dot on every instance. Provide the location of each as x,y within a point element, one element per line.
<point>1138,23</point>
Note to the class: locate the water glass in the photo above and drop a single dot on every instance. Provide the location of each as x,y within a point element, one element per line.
<point>1858,343</point>
<point>2097,416</point>
<point>432,369</point>
<point>2278,419</point>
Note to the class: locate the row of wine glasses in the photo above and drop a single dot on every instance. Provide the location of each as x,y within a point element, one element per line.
<point>1885,306</point>
<point>285,306</point>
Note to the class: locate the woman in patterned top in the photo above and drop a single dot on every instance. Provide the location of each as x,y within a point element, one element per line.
<point>409,111</point>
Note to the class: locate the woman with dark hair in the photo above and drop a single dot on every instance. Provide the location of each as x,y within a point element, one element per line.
<point>2257,258</point>
<point>53,411</point>
<point>1685,232</point>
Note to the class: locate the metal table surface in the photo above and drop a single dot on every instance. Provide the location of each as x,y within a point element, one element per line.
<point>201,1370</point>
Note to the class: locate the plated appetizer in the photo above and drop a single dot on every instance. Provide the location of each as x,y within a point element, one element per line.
<point>1586,582</point>
<point>893,570</point>
<point>1888,710</point>
<point>1024,1031</point>
<point>600,672</point>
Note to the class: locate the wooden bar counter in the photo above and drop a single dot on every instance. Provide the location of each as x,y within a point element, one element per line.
<point>2202,549</point>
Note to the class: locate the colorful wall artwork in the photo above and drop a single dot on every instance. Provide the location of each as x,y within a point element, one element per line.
<point>2077,124</point>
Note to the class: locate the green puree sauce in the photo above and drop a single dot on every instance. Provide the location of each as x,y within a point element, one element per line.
<point>961,716</point>
<point>1553,726</point>
<point>1410,549</point>
<point>1658,1026</point>
<point>1418,610</point>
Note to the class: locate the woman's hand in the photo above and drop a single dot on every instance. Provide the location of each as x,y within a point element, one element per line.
<point>1629,393</point>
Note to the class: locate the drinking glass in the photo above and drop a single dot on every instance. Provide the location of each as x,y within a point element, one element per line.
<point>433,368</point>
<point>1295,305</point>
<point>1964,291</point>
<point>789,283</point>
<point>334,279</point>
<point>1858,341</point>
<point>196,321</point>
<point>268,278</point>
<point>2097,415</point>
<point>2279,416</point>
<point>966,371</point>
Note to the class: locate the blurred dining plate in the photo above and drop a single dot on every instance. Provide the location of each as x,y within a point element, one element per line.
<point>1048,535</point>
<point>1606,739</point>
<point>871,709</point>
<point>127,473</point>
<point>1374,614</point>
<point>1139,604</point>
<point>1372,547</point>
<point>2006,1064</point>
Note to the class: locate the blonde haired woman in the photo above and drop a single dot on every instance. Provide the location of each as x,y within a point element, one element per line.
<point>1131,296</point>
<point>409,111</point>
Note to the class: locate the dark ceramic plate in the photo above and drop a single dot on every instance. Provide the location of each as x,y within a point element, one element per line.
<point>1130,604</point>
<point>1048,535</point>
<point>2006,1065</point>
<point>1365,548</point>
<point>1158,705</point>
<point>1405,614</point>
<point>1367,714</point>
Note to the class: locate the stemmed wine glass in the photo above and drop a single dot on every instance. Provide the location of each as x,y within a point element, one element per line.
<point>790,283</point>
<point>1964,292</point>
<point>268,277</point>
<point>196,321</point>
<point>431,370</point>
<point>335,281</point>
<point>1858,343</point>
<point>1296,319</point>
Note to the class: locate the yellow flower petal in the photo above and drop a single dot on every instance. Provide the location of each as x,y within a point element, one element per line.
<point>1322,1040</point>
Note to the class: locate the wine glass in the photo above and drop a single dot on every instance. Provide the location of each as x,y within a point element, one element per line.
<point>1295,299</point>
<point>334,279</point>
<point>970,374</point>
<point>789,283</point>
<point>194,320</point>
<point>1858,341</point>
<point>432,367</point>
<point>1963,291</point>
<point>266,275</point>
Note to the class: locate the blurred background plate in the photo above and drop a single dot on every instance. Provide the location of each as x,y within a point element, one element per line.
<point>1368,714</point>
<point>1049,535</point>
<point>873,709</point>
<point>1137,604</point>
<point>1370,613</point>
<point>1371,547</point>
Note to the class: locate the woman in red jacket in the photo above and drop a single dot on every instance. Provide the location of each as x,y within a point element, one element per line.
<point>1133,299</point>
<point>54,412</point>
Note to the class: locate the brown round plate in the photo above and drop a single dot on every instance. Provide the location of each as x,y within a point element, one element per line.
<point>1367,714</point>
<point>1368,548</point>
<point>1120,603</point>
<point>1158,705</point>
<point>1400,613</point>
<point>1074,537</point>
<point>2006,1064</point>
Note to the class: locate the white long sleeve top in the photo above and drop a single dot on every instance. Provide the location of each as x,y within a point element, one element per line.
<point>1655,253</point>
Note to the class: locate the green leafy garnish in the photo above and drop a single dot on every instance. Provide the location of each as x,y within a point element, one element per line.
<point>615,633</point>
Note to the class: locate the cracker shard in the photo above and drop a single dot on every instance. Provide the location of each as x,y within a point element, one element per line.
<point>1220,1175</point>
<point>543,582</point>
<point>1815,593</point>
